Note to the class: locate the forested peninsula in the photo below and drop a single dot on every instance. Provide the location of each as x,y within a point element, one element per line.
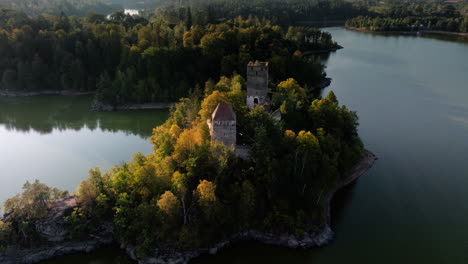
<point>292,147</point>
<point>193,195</point>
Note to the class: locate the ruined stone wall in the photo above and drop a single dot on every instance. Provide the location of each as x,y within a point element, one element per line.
<point>224,132</point>
<point>257,85</point>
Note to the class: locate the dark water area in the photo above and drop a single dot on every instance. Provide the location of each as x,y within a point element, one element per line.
<point>109,254</point>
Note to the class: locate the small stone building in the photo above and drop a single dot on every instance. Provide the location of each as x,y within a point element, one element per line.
<point>223,125</point>
<point>257,84</point>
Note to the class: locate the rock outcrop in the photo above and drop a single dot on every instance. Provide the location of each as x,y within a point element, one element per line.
<point>97,106</point>
<point>44,92</point>
<point>54,230</point>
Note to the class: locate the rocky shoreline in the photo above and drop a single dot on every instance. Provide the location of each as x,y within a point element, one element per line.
<point>102,107</point>
<point>54,230</point>
<point>46,92</point>
<point>321,51</point>
<point>171,256</point>
<point>320,237</point>
<point>35,255</point>
<point>438,32</point>
<point>309,240</point>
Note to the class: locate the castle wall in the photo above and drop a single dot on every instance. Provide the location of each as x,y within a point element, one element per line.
<point>251,102</point>
<point>257,85</point>
<point>224,132</point>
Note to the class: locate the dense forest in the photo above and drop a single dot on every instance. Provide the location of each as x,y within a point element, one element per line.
<point>414,17</point>
<point>281,12</point>
<point>284,12</point>
<point>187,184</point>
<point>130,59</point>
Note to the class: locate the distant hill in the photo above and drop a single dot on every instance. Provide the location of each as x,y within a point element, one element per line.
<point>69,7</point>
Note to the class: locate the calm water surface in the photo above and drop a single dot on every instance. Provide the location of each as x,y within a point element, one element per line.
<point>411,94</point>
<point>57,140</point>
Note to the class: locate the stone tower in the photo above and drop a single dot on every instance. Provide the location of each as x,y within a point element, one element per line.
<point>257,84</point>
<point>223,125</point>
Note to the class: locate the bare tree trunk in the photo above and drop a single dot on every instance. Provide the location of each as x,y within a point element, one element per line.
<point>295,163</point>
<point>185,209</point>
<point>303,164</point>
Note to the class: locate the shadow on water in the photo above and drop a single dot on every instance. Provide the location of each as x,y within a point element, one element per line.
<point>340,202</point>
<point>107,255</point>
<point>254,252</point>
<point>43,114</point>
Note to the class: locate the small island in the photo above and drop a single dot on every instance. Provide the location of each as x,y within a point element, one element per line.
<point>238,160</point>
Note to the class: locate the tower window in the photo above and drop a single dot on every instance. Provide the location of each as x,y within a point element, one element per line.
<point>256,101</point>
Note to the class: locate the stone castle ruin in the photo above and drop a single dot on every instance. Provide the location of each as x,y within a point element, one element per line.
<point>223,125</point>
<point>223,120</point>
<point>257,84</point>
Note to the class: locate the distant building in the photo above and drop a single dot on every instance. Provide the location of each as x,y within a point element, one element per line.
<point>223,125</point>
<point>257,84</point>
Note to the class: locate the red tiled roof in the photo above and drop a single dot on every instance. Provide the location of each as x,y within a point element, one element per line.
<point>224,112</point>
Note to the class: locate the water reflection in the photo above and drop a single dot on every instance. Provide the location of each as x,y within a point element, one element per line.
<point>104,255</point>
<point>58,139</point>
<point>48,113</point>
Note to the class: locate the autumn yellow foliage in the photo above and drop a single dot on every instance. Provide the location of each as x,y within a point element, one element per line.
<point>168,203</point>
<point>206,191</point>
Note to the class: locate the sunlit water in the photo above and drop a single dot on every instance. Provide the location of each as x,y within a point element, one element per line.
<point>57,140</point>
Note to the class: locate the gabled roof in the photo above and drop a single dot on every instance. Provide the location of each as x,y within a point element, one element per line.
<point>224,112</point>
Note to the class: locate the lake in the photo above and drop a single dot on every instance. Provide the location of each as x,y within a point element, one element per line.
<point>411,94</point>
<point>58,139</point>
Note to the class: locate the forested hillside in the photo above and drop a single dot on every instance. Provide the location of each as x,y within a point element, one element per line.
<point>409,16</point>
<point>69,7</point>
<point>129,59</point>
<point>282,12</point>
